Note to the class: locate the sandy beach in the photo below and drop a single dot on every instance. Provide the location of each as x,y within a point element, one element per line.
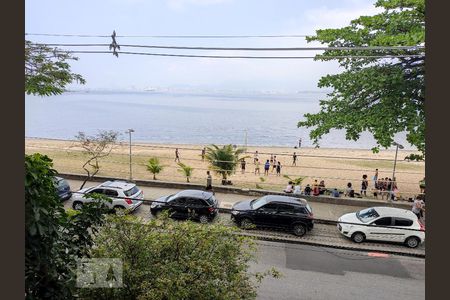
<point>336,167</point>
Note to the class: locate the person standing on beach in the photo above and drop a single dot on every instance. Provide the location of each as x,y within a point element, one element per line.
<point>203,153</point>
<point>279,169</point>
<point>315,189</point>
<point>375,179</point>
<point>274,165</point>
<point>266,168</point>
<point>208,181</point>
<point>255,157</point>
<point>257,163</point>
<point>422,186</point>
<point>271,159</point>
<point>243,166</point>
<point>294,159</point>
<point>299,142</point>
<point>177,155</point>
<point>364,184</point>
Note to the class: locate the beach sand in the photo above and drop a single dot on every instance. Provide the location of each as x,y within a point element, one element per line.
<point>336,167</point>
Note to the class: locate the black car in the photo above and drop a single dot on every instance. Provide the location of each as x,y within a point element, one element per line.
<point>188,204</point>
<point>274,212</point>
<point>62,188</point>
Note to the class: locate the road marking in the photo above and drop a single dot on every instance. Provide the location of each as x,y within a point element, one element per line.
<point>377,254</point>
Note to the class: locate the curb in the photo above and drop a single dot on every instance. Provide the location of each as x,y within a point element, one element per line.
<point>241,191</point>
<point>304,242</point>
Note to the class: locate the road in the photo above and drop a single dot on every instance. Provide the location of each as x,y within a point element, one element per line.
<point>317,273</point>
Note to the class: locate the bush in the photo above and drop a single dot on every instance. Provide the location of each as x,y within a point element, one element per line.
<point>165,259</point>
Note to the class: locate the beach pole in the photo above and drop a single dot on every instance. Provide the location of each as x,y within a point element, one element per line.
<point>245,139</point>
<point>395,164</point>
<point>129,132</point>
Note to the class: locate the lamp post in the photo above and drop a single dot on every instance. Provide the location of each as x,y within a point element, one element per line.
<point>395,164</point>
<point>129,131</point>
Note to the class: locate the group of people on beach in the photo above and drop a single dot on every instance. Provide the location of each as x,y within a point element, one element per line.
<point>317,188</point>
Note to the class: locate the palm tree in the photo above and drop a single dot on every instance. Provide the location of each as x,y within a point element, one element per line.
<point>223,160</point>
<point>154,166</point>
<point>186,170</point>
<point>296,181</point>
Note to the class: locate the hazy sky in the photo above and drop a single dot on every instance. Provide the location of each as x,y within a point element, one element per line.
<point>195,17</point>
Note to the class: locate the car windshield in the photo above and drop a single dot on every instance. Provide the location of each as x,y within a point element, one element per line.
<point>257,203</point>
<point>131,191</point>
<point>212,200</point>
<point>309,208</point>
<point>367,215</point>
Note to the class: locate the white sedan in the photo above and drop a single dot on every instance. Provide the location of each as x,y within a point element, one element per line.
<point>383,224</point>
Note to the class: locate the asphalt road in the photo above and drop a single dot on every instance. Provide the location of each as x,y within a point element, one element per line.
<point>311,272</point>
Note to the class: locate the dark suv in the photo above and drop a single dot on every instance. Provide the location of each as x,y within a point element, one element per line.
<point>276,212</point>
<point>62,188</point>
<point>194,204</point>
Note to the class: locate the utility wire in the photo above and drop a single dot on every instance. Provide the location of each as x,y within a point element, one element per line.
<point>241,48</point>
<point>239,57</point>
<point>175,36</point>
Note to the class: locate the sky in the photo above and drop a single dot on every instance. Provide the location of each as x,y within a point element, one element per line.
<point>195,17</point>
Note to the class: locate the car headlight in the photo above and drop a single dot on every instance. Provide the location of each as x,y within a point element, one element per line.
<point>234,212</point>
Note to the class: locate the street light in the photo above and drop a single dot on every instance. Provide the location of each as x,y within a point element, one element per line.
<point>129,131</point>
<point>395,164</point>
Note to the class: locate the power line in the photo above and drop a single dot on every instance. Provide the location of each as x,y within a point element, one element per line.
<point>238,57</point>
<point>241,48</point>
<point>175,36</point>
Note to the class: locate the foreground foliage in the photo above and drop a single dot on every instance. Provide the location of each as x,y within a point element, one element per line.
<point>54,240</point>
<point>165,259</point>
<point>382,96</point>
<point>47,71</point>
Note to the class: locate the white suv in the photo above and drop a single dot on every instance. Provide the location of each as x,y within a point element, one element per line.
<point>124,195</point>
<point>383,224</point>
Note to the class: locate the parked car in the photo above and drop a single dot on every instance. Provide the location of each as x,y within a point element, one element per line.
<point>272,211</point>
<point>195,204</point>
<point>62,188</point>
<point>124,195</point>
<point>383,224</point>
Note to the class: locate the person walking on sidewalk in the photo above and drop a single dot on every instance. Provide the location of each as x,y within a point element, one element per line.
<point>208,181</point>
<point>364,184</point>
<point>417,208</point>
<point>177,155</point>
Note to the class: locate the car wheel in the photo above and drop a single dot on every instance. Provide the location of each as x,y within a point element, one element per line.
<point>358,237</point>
<point>204,219</point>
<point>412,242</point>
<point>77,205</point>
<point>299,229</point>
<point>246,223</point>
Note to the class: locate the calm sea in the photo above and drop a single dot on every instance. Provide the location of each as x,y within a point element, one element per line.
<point>184,118</point>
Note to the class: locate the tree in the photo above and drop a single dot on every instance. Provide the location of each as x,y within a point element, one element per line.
<point>95,147</point>
<point>381,95</point>
<point>53,239</point>
<point>186,170</point>
<point>154,166</point>
<point>223,160</point>
<point>47,71</point>
<point>296,181</point>
<point>166,259</point>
